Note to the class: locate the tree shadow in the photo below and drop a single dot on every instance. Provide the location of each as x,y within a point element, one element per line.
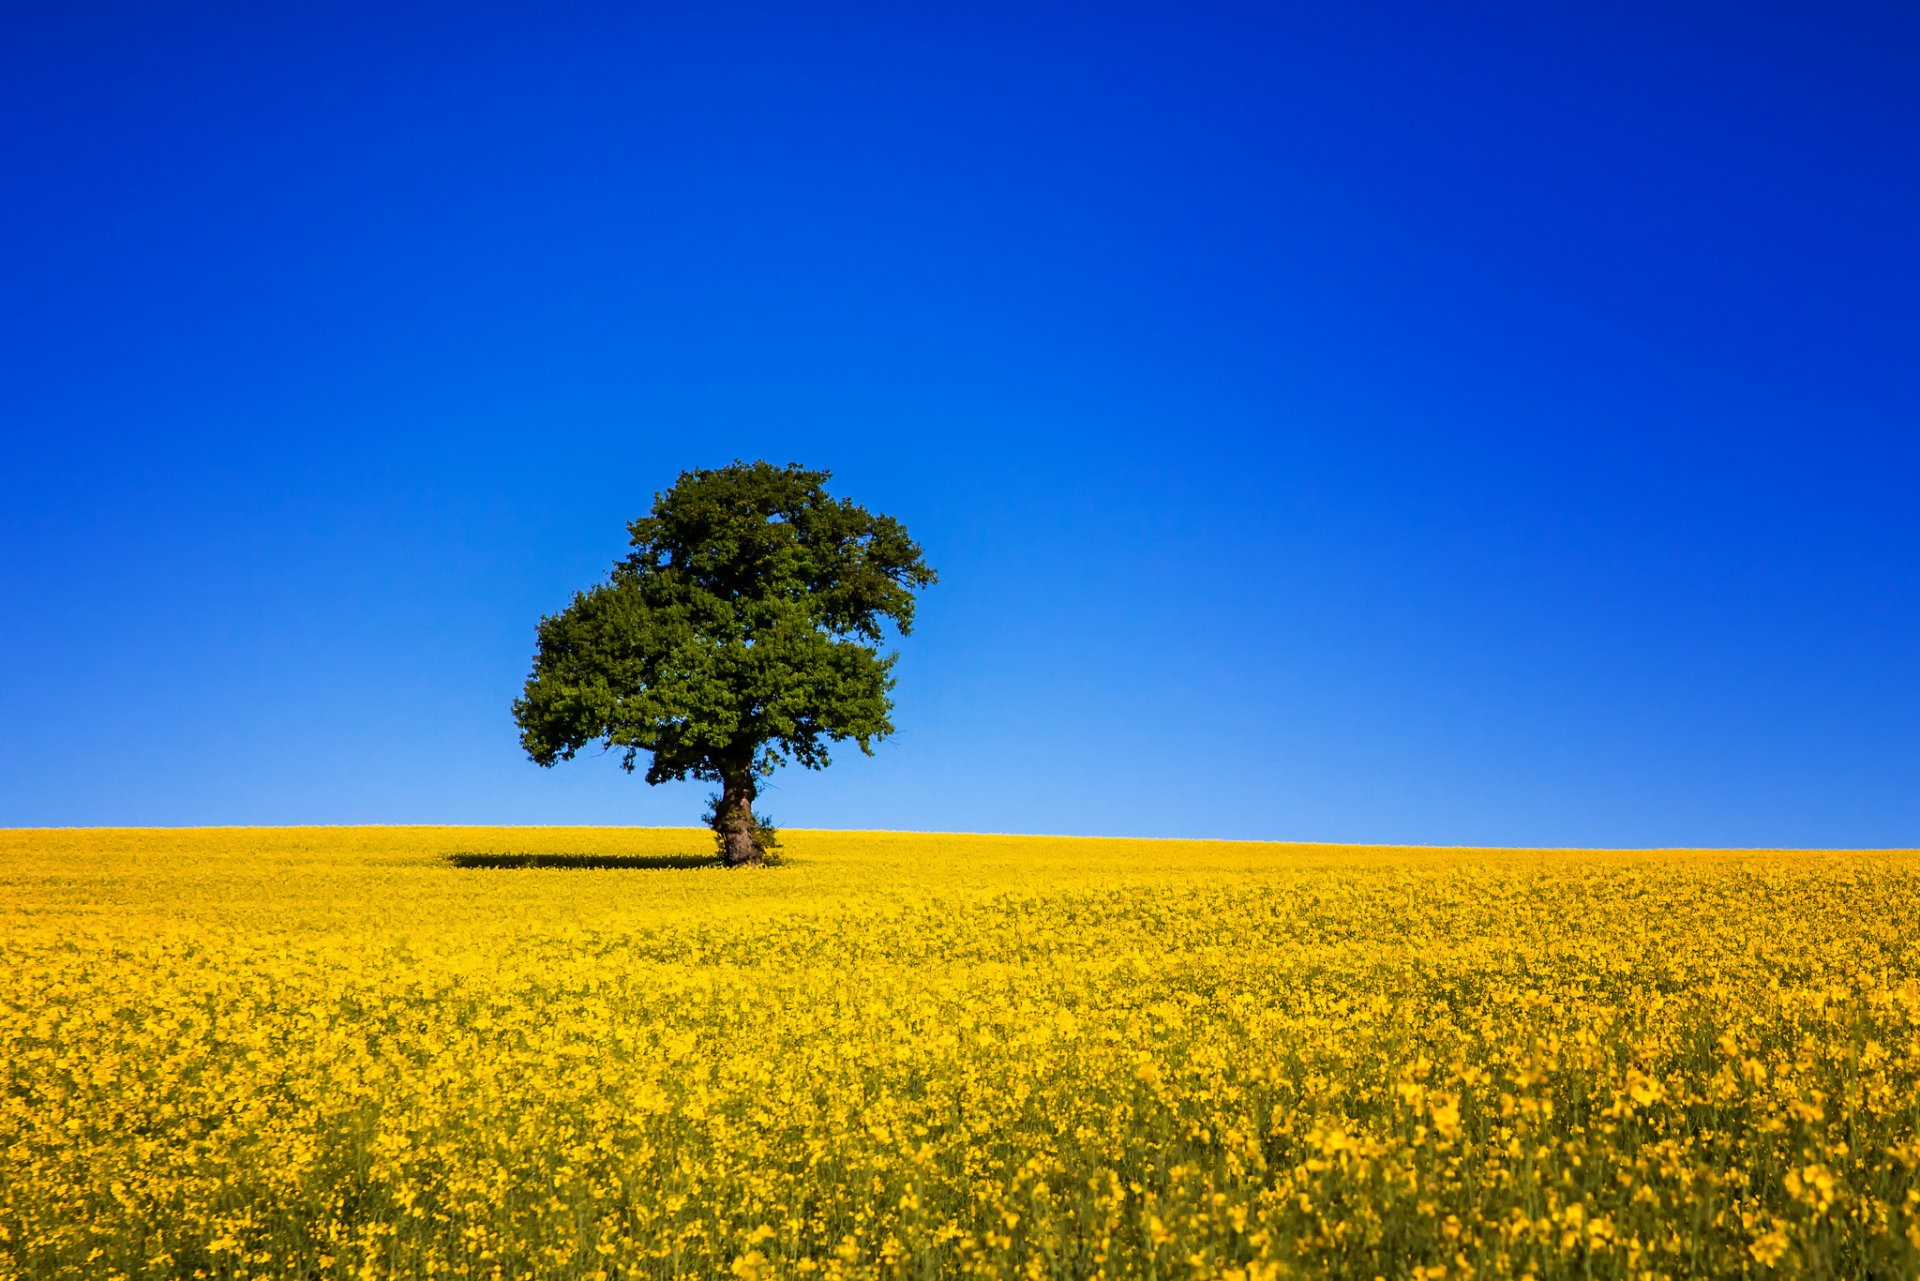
<point>654,862</point>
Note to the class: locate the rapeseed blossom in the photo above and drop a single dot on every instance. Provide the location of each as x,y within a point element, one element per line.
<point>334,1053</point>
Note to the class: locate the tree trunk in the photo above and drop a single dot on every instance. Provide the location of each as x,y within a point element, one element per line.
<point>733,820</point>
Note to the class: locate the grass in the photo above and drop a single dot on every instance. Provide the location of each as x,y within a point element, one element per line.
<point>356,1052</point>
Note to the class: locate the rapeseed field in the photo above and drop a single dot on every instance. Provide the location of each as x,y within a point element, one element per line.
<point>338,1053</point>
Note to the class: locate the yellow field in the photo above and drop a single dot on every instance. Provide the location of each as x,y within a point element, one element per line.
<point>332,1052</point>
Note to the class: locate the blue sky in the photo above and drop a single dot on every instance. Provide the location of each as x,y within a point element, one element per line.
<point>1462,424</point>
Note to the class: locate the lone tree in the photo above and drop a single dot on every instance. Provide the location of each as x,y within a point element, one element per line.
<point>740,633</point>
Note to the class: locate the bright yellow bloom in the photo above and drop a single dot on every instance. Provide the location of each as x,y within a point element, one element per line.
<point>336,1053</point>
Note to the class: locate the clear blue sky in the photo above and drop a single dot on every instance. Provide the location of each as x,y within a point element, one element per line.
<point>1438,424</point>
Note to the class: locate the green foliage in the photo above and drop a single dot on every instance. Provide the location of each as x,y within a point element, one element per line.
<point>742,631</point>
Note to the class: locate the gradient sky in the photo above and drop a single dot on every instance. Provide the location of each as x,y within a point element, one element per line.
<point>1433,424</point>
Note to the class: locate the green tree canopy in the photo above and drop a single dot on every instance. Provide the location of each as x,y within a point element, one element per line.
<point>742,631</point>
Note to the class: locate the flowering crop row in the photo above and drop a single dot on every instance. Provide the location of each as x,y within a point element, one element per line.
<point>332,1053</point>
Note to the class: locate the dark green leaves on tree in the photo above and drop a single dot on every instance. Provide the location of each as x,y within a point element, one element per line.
<point>742,631</point>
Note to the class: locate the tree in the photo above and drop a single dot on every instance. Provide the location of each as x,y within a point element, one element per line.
<point>741,632</point>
